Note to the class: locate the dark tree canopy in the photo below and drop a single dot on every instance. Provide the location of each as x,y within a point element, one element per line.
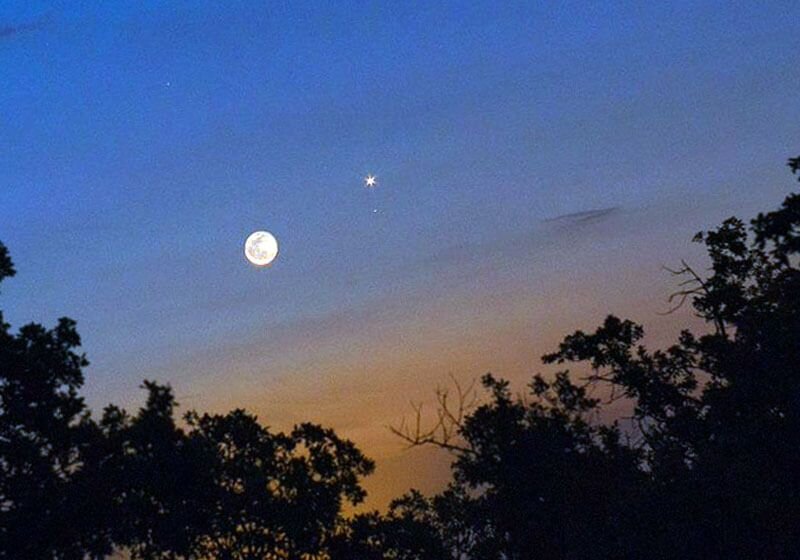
<point>707,465</point>
<point>45,432</point>
<point>709,468</point>
<point>6,266</point>
<point>220,486</point>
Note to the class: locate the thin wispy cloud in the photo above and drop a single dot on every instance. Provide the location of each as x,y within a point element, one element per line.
<point>8,31</point>
<point>584,216</point>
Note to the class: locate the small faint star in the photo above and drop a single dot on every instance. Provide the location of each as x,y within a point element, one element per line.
<point>370,181</point>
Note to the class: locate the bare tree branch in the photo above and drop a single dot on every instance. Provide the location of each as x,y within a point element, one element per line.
<point>700,287</point>
<point>449,419</point>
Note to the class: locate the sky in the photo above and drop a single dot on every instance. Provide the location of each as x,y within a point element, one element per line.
<point>537,166</point>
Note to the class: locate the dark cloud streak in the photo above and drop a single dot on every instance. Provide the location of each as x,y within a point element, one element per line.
<point>8,31</point>
<point>584,216</point>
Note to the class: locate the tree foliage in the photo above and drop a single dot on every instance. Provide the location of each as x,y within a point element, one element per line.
<point>710,466</point>
<point>217,486</point>
<point>45,432</point>
<point>706,467</point>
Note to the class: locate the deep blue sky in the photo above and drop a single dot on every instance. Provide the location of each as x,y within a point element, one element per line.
<point>140,142</point>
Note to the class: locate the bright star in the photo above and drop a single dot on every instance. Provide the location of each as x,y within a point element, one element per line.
<point>370,181</point>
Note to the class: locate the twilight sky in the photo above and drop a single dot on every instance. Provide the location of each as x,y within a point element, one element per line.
<point>141,142</point>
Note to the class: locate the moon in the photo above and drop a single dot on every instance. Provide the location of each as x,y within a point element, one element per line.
<point>261,248</point>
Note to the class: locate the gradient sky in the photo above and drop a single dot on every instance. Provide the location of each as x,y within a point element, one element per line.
<point>141,142</point>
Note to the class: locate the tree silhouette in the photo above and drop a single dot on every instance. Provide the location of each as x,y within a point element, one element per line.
<point>710,468</point>
<point>719,413</point>
<point>274,495</point>
<point>411,530</point>
<point>45,433</point>
<point>154,477</point>
<point>226,487</point>
<point>221,486</point>
<point>6,266</point>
